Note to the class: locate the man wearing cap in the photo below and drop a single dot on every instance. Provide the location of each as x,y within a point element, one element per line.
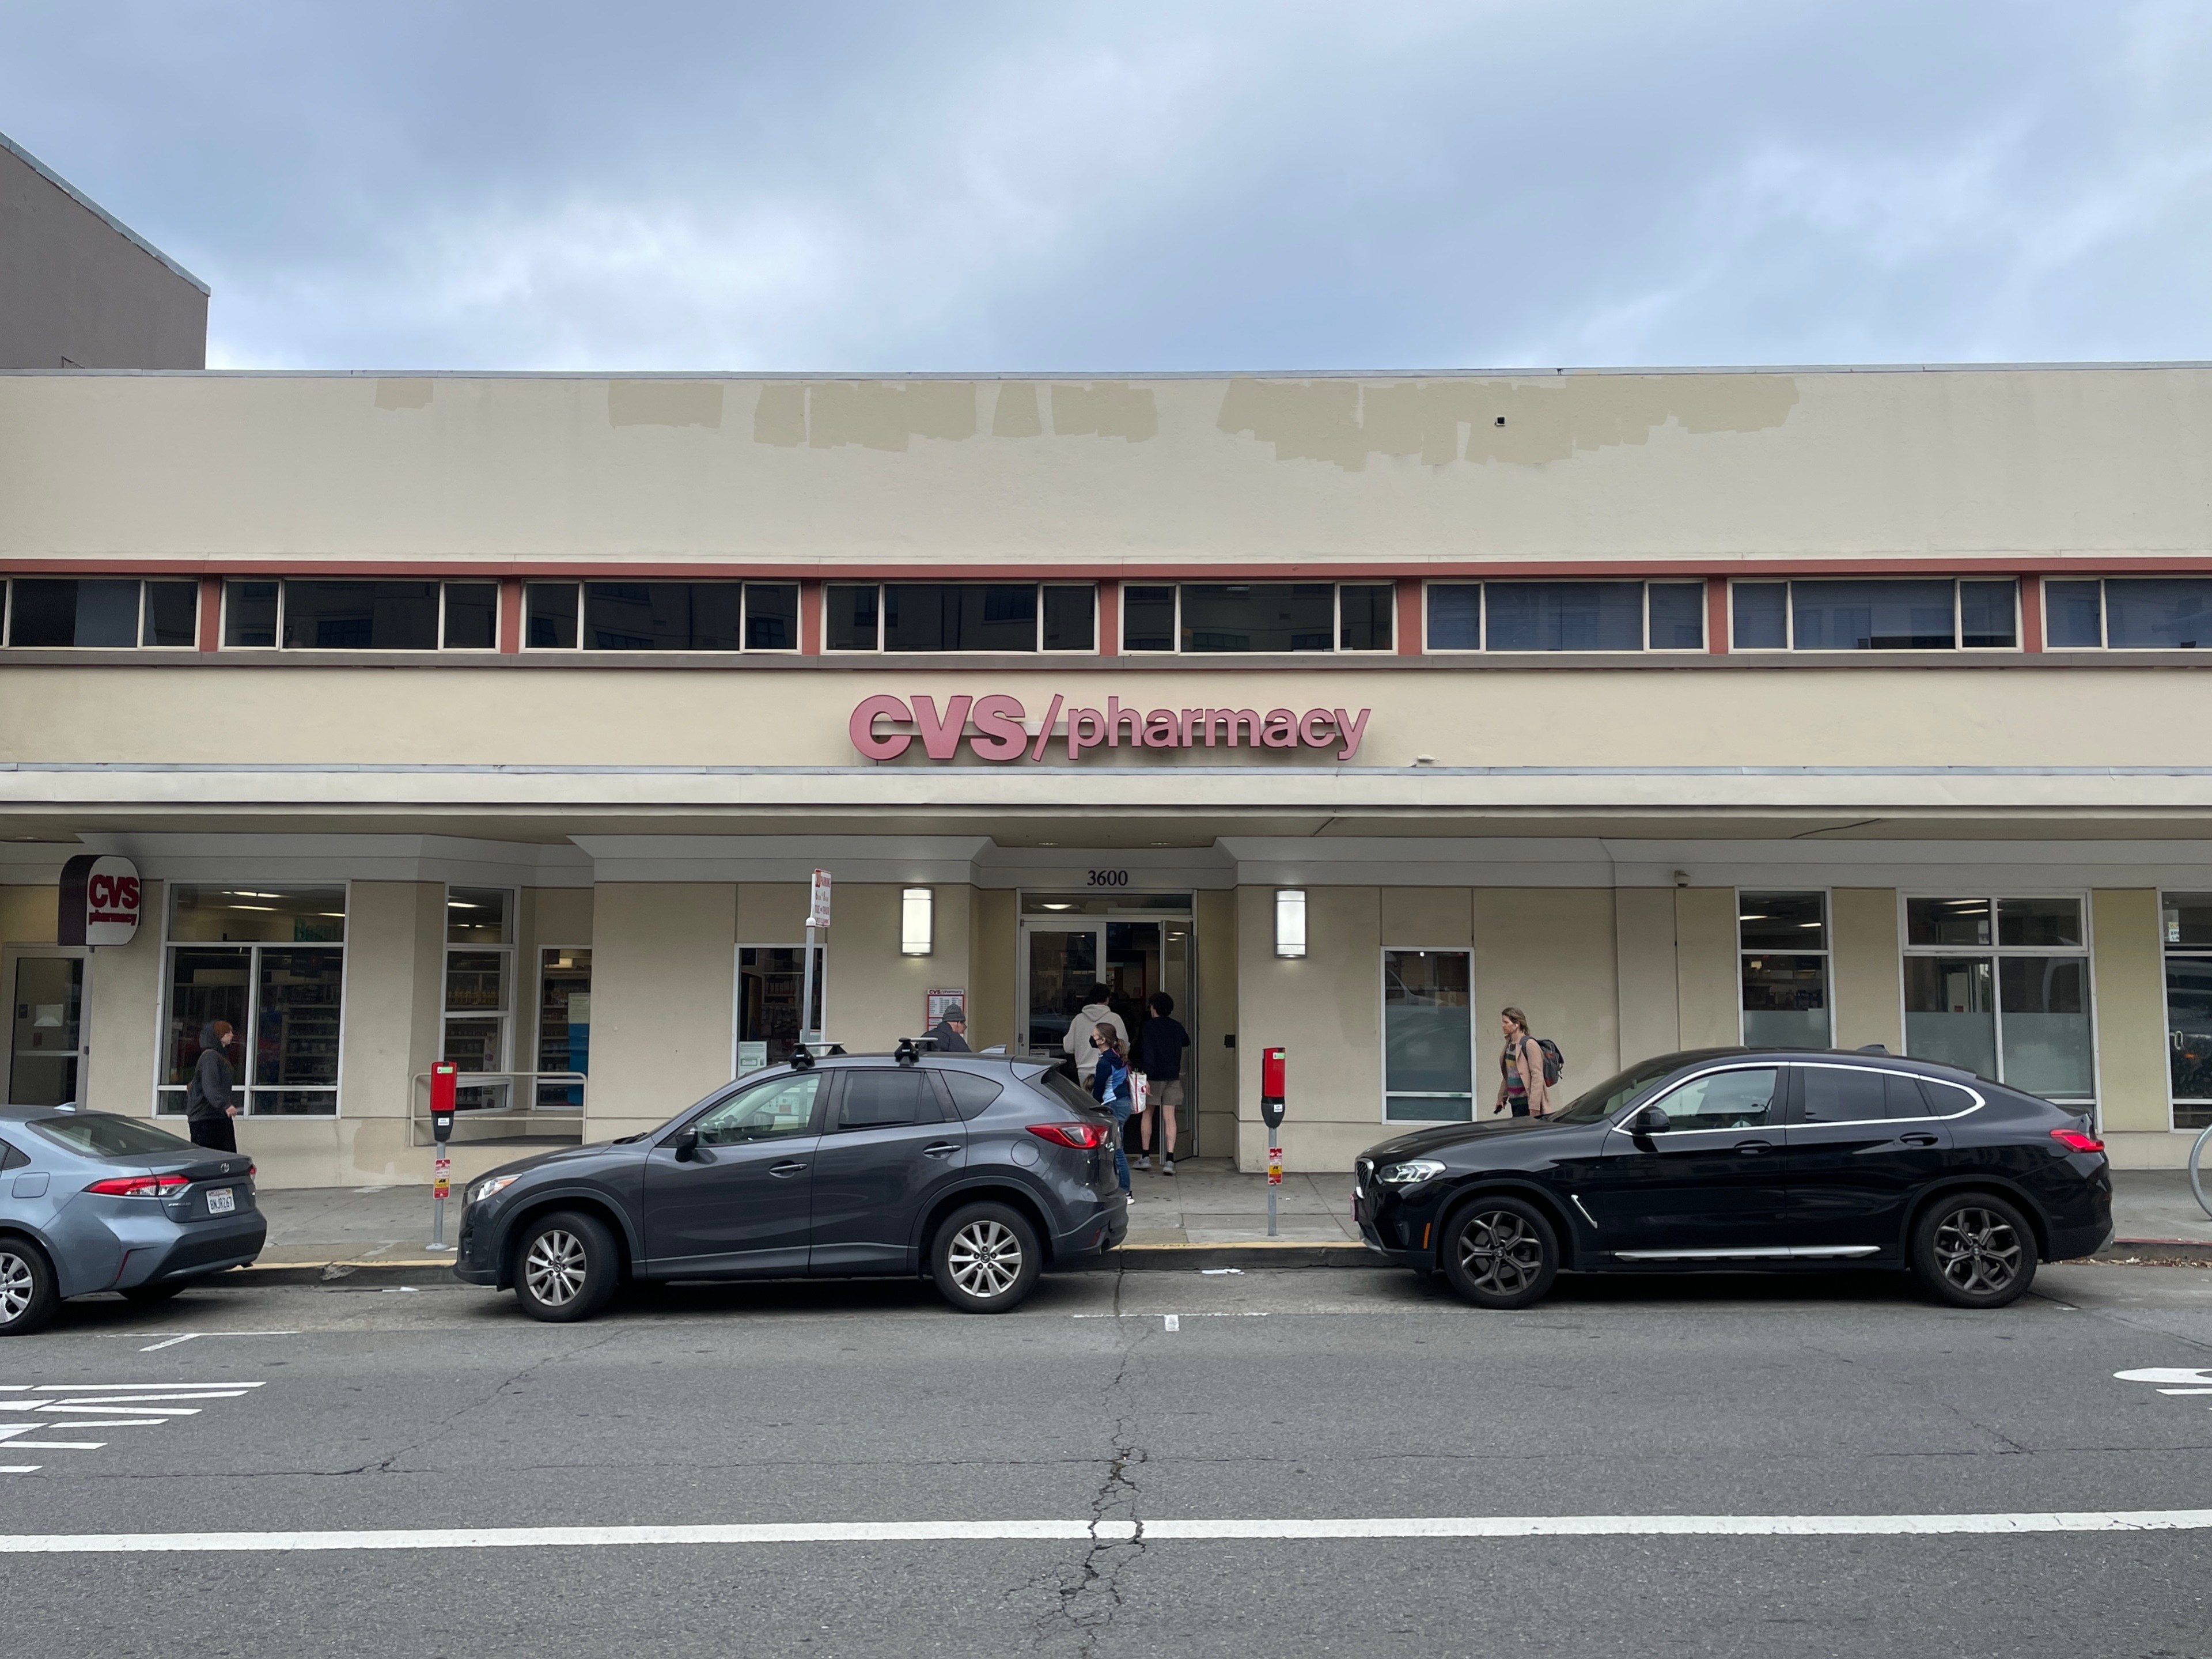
<point>951,1032</point>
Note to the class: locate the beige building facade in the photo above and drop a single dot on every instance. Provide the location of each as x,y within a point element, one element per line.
<point>504,720</point>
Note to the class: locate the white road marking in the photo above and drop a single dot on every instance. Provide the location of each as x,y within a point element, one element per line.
<point>78,1406</point>
<point>19,1468</point>
<point>93,1389</point>
<point>194,1336</point>
<point>1171,1321</point>
<point>864,1532</point>
<point>108,1398</point>
<point>1227,1313</point>
<point>2166,1374</point>
<point>152,1412</point>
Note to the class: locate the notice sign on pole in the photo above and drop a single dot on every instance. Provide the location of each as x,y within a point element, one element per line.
<point>99,898</point>
<point>817,906</point>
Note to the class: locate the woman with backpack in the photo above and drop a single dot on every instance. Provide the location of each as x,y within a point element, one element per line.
<point>1522,1084</point>
<point>1109,1083</point>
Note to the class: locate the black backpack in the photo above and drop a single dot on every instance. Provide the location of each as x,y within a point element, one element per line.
<point>1555,1061</point>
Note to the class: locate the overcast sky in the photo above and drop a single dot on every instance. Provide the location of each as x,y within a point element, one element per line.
<point>1128,187</point>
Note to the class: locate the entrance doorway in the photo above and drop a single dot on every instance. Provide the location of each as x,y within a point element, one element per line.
<point>46,1026</point>
<point>1134,945</point>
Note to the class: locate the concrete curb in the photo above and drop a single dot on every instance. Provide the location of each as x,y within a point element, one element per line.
<point>2154,1249</point>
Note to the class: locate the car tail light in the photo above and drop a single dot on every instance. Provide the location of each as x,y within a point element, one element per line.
<point>2076,1141</point>
<point>1083,1137</point>
<point>149,1186</point>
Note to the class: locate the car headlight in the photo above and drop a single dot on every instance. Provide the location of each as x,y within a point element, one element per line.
<point>489,1185</point>
<point>1413,1172</point>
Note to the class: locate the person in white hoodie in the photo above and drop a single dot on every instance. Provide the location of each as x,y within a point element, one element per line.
<point>1078,1044</point>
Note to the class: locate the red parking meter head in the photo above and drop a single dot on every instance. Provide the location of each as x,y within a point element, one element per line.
<point>1271,1091</point>
<point>442,1087</point>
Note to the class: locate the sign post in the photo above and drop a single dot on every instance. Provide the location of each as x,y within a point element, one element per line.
<point>817,915</point>
<point>442,1088</point>
<point>1272,1067</point>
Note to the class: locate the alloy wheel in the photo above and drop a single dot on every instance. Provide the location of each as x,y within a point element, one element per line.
<point>986,1258</point>
<point>1500,1252</point>
<point>16,1286</point>
<point>1976,1251</point>
<point>555,1267</point>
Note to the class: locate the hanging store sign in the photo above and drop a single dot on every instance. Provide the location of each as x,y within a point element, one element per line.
<point>100,900</point>
<point>997,728</point>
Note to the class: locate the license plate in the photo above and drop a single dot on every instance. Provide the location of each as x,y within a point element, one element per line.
<point>222,1200</point>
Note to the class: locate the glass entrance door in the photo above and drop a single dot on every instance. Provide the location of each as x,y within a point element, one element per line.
<point>45,1050</point>
<point>1060,965</point>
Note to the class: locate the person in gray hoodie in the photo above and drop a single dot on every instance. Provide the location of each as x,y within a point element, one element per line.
<point>209,1098</point>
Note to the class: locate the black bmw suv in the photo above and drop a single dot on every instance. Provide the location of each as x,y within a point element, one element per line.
<point>976,1172</point>
<point>1749,1158</point>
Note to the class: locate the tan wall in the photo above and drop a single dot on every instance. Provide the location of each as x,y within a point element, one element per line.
<point>1549,952</point>
<point>664,999</point>
<point>1650,997</point>
<point>2130,969</point>
<point>993,933</point>
<point>1866,965</point>
<point>74,290</point>
<point>634,715</point>
<point>28,915</point>
<point>1709,992</point>
<point>875,995</point>
<point>1326,1008</point>
<point>1211,1063</point>
<point>123,991</point>
<point>394,995</point>
<point>1223,470</point>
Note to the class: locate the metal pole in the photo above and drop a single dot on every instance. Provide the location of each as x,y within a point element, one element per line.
<point>807,987</point>
<point>1272,1155</point>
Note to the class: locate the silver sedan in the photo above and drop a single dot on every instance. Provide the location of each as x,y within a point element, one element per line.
<point>94,1201</point>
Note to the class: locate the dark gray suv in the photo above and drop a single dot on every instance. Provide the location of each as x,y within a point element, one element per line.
<point>974,1171</point>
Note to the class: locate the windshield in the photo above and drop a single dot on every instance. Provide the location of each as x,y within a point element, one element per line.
<point>104,1135</point>
<point>1615,1092</point>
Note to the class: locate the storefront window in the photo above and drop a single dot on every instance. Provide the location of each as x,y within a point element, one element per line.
<point>769,1003</point>
<point>1782,951</point>
<point>1566,616</point>
<point>50,613</point>
<point>1428,1036</point>
<point>360,616</point>
<point>1876,614</point>
<point>479,975</point>
<point>2000,987</point>
<point>564,1024</point>
<point>2185,927</point>
<point>269,962</point>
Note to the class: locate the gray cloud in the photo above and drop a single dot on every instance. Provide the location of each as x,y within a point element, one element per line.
<point>1008,186</point>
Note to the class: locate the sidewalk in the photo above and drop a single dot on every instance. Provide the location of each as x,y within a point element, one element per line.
<point>1206,1204</point>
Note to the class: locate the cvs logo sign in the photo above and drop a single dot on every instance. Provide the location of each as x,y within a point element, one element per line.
<point>101,895</point>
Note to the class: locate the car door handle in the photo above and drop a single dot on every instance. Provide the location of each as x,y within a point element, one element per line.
<point>1753,1148</point>
<point>941,1149</point>
<point>790,1167</point>
<point>1918,1139</point>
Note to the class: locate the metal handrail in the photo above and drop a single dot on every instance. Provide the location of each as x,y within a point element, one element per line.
<point>2197,1170</point>
<point>419,1108</point>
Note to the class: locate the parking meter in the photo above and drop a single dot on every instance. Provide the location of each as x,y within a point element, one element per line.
<point>443,1087</point>
<point>1272,1065</point>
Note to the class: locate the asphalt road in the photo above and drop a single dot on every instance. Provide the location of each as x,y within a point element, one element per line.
<point>1322,1394</point>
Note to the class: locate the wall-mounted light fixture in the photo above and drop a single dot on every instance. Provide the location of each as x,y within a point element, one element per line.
<point>1290,921</point>
<point>917,918</point>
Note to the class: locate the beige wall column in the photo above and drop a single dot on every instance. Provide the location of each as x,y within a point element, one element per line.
<point>2132,1077</point>
<point>1865,965</point>
<point>1212,1061</point>
<point>1548,951</point>
<point>123,992</point>
<point>27,914</point>
<point>874,995</point>
<point>1326,1008</point>
<point>1708,991</point>
<point>663,999</point>
<point>991,944</point>
<point>1643,943</point>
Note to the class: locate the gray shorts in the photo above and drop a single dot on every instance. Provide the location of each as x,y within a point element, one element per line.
<point>1168,1093</point>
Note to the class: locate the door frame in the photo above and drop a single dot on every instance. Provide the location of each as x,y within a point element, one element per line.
<point>1096,926</point>
<point>10,955</point>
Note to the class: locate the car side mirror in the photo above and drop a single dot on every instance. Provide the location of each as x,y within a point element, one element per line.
<point>1651,1121</point>
<point>686,1145</point>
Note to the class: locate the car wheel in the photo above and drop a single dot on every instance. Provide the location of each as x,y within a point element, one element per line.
<point>986,1258</point>
<point>161,1292</point>
<point>1974,1250</point>
<point>27,1294</point>
<point>565,1266</point>
<point>1501,1253</point>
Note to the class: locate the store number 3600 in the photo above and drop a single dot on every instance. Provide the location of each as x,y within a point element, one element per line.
<point>1109,878</point>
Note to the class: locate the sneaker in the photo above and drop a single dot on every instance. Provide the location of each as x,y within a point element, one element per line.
<point>1167,1166</point>
<point>1143,1161</point>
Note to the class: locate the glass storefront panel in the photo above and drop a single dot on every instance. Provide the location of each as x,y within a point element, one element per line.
<point>478,916</point>
<point>1062,969</point>
<point>768,998</point>
<point>1564,616</point>
<point>295,1034</point>
<point>1950,1012</point>
<point>1947,921</point>
<point>1872,616</point>
<point>1785,1001</point>
<point>2157,613</point>
<point>295,915</point>
<point>360,616</point>
<point>1454,615</point>
<point>1273,617</point>
<point>471,616</point>
<point>46,1032</point>
<point>564,1024</point>
<point>1783,922</point>
<point>2045,1004</point>
<point>2037,922</point>
<point>205,985</point>
<point>1428,1036</point>
<point>2189,1038</point>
